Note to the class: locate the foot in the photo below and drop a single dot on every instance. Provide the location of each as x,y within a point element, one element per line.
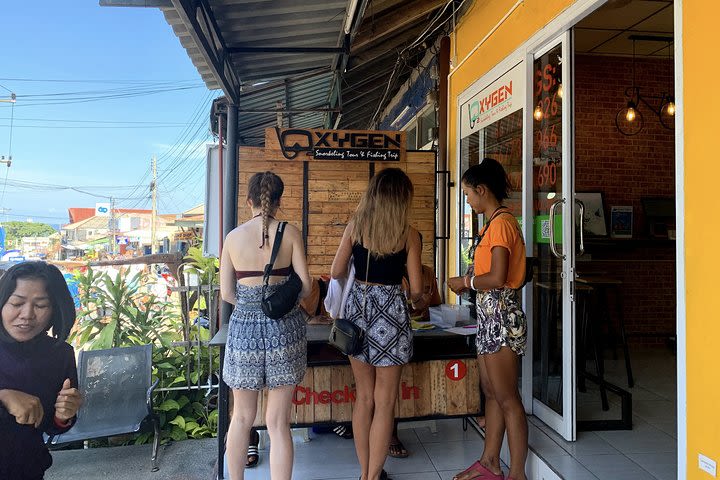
<point>396,449</point>
<point>343,432</point>
<point>253,455</point>
<point>478,471</point>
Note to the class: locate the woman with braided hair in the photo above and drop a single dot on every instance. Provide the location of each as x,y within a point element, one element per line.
<point>262,352</point>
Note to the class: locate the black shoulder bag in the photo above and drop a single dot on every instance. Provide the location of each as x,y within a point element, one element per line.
<point>344,334</point>
<point>285,297</point>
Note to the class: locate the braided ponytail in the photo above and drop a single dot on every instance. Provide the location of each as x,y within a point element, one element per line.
<point>265,206</point>
<point>264,191</point>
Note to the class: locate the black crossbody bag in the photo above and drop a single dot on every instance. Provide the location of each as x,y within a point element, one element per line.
<point>285,297</point>
<point>344,334</point>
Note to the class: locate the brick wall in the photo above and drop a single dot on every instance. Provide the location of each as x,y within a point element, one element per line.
<point>626,169</point>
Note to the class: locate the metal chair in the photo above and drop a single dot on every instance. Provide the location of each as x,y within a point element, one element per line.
<point>117,392</point>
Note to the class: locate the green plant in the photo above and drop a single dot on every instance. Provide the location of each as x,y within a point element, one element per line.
<point>120,311</point>
<point>205,268</point>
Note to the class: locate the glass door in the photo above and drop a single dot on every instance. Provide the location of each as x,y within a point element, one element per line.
<point>552,357</point>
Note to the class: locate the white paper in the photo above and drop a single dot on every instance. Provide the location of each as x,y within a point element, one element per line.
<point>463,330</point>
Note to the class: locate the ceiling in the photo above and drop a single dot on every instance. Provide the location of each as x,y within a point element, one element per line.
<point>313,64</point>
<point>608,30</point>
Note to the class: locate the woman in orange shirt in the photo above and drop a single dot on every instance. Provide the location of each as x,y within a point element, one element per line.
<point>499,261</point>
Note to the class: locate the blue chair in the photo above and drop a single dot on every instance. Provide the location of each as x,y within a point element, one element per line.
<point>117,392</point>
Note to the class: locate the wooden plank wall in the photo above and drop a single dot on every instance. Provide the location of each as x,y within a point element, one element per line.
<point>334,189</point>
<point>326,393</point>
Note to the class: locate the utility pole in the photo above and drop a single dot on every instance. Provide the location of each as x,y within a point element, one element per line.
<point>113,225</point>
<point>153,189</point>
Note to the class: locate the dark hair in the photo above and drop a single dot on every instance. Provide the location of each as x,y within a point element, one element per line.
<point>490,173</point>
<point>264,191</point>
<point>63,308</point>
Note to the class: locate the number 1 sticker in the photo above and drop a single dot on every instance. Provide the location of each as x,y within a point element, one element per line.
<point>455,370</point>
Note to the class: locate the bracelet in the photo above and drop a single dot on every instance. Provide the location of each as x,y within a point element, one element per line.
<point>472,283</point>
<point>467,282</point>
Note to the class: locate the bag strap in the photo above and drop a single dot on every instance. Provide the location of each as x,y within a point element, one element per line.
<point>273,255</point>
<point>367,275</point>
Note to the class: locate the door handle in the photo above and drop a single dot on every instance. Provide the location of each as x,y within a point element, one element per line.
<point>582,230</point>
<point>552,228</point>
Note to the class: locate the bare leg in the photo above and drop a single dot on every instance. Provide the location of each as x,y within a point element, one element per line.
<point>502,370</point>
<point>387,380</point>
<point>244,409</point>
<point>277,419</point>
<point>362,414</point>
<point>494,422</point>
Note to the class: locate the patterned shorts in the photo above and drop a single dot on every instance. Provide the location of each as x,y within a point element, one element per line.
<point>501,321</point>
<point>262,352</point>
<point>388,336</point>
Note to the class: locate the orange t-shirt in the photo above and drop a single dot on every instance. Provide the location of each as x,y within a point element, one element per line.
<point>503,231</point>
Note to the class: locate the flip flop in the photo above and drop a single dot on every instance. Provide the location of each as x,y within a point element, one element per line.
<point>480,472</point>
<point>397,450</point>
<point>343,432</point>
<point>253,454</point>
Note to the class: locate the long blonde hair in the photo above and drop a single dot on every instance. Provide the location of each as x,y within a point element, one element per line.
<point>382,217</point>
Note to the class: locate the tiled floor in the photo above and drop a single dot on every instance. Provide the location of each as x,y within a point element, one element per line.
<point>433,456</point>
<point>648,451</point>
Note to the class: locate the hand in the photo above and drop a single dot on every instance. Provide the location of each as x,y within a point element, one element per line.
<point>26,408</point>
<point>457,284</point>
<point>68,402</point>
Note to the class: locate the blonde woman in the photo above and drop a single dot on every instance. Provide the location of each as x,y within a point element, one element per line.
<point>383,245</point>
<point>262,352</point>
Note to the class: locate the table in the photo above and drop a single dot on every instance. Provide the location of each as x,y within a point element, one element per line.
<point>441,381</point>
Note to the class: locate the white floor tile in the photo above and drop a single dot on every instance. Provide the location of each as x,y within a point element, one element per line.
<point>454,455</point>
<point>662,466</point>
<point>614,467</point>
<point>449,430</point>
<point>569,468</point>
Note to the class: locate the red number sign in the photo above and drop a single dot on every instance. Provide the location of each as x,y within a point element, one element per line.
<point>456,370</point>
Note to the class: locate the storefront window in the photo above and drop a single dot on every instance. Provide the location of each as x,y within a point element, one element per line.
<point>547,189</point>
<point>502,141</point>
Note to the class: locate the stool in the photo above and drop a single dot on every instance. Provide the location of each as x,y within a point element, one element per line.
<point>588,329</point>
<point>601,286</point>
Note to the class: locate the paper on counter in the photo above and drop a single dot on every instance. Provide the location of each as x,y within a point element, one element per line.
<point>471,330</point>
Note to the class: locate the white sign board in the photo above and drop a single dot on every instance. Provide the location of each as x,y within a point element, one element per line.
<point>499,99</point>
<point>211,226</point>
<point>102,209</point>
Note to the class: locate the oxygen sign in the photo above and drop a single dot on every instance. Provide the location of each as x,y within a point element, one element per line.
<point>499,99</point>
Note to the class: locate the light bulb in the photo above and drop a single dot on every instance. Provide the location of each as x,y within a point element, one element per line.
<point>671,108</point>
<point>560,90</point>
<point>630,115</point>
<point>537,113</point>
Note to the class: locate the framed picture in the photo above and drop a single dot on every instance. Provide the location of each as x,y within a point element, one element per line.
<point>594,218</point>
<point>621,221</point>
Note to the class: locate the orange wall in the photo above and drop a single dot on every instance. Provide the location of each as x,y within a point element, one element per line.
<point>702,230</point>
<point>483,15</point>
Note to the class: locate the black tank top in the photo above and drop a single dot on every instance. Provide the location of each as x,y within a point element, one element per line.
<point>386,270</point>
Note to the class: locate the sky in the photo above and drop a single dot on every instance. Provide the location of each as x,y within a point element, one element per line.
<point>100,90</point>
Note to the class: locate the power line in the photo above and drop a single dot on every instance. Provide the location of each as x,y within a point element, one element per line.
<point>55,80</point>
<point>118,122</point>
<point>76,127</point>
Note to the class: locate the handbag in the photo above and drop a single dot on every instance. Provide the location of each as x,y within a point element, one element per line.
<point>344,334</point>
<point>284,298</point>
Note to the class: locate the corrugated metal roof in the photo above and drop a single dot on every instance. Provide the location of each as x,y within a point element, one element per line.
<point>305,84</point>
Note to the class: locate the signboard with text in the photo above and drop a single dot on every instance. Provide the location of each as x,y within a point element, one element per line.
<point>502,97</point>
<point>339,145</point>
<point>435,388</point>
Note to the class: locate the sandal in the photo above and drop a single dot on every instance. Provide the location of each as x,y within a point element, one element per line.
<point>479,472</point>
<point>343,432</point>
<point>397,450</point>
<point>253,454</point>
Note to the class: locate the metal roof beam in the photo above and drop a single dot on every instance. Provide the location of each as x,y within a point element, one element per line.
<point>211,44</point>
<point>239,50</point>
<point>289,111</point>
<point>398,20</point>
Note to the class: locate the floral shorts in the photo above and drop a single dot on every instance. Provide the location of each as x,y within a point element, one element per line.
<point>501,322</point>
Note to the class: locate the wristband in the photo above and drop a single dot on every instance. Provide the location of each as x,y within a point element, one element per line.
<point>472,282</point>
<point>467,282</point>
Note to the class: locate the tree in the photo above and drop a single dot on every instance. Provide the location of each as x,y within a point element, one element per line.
<point>15,231</point>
